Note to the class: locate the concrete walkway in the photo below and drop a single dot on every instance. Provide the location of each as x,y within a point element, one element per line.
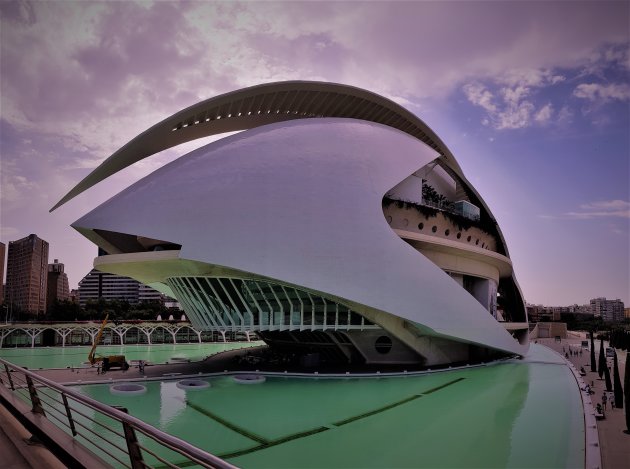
<point>17,451</point>
<point>614,443</point>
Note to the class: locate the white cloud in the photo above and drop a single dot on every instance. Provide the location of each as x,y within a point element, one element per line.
<point>9,232</point>
<point>515,116</point>
<point>601,209</point>
<point>530,77</point>
<point>607,205</point>
<point>480,96</point>
<point>603,93</point>
<point>16,187</point>
<point>544,114</point>
<point>511,110</point>
<point>565,116</point>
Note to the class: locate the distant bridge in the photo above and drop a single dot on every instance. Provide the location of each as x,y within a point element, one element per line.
<point>115,333</point>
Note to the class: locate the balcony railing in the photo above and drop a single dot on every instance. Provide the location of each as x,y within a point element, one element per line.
<point>108,432</point>
<point>430,209</point>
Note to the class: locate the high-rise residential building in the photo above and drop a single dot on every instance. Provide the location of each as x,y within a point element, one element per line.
<point>608,310</point>
<point>110,287</point>
<point>58,288</point>
<point>27,274</point>
<point>2,256</point>
<point>74,295</point>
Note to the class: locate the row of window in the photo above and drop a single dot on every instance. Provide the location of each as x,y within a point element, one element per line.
<point>239,114</point>
<point>447,233</point>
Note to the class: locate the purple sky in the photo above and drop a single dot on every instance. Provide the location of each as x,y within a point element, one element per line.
<point>533,98</point>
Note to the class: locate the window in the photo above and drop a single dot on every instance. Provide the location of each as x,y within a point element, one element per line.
<point>459,235</point>
<point>447,232</point>
<point>420,226</point>
<point>434,229</point>
<point>383,344</point>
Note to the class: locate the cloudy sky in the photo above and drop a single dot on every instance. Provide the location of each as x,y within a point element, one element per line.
<point>532,98</point>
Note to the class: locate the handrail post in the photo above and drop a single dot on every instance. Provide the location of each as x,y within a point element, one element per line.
<point>37,404</point>
<point>6,367</point>
<point>135,454</point>
<point>69,414</point>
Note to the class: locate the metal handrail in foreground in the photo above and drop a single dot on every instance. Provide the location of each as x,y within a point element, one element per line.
<point>20,380</point>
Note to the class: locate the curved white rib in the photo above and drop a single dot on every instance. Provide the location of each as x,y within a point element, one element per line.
<point>260,105</point>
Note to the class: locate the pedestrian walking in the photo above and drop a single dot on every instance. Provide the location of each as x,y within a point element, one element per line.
<point>604,400</point>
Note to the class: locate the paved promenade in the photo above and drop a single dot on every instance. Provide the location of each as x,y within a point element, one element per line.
<point>17,451</point>
<point>614,444</point>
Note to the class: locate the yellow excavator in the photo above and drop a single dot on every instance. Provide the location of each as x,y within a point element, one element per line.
<point>110,361</point>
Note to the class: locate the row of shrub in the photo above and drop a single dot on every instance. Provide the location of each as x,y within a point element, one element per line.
<point>620,338</point>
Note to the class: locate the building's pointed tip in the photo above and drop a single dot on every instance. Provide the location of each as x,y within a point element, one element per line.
<point>62,201</point>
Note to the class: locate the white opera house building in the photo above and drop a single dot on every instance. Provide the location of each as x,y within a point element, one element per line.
<point>337,225</point>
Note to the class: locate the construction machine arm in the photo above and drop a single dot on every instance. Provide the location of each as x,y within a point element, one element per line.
<point>91,358</point>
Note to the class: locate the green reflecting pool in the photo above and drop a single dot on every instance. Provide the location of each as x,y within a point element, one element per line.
<point>62,357</point>
<point>519,413</point>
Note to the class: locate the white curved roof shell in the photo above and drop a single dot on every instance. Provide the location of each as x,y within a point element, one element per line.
<point>300,202</point>
<point>260,105</point>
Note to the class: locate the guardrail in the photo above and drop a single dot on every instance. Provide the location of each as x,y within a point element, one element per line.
<point>109,432</point>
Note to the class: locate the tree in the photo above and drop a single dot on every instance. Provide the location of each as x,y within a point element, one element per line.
<point>617,380</point>
<point>65,311</point>
<point>602,359</point>
<point>593,366</point>
<point>609,386</point>
<point>626,382</point>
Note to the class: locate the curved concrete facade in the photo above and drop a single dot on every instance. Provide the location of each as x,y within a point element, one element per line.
<point>281,230</point>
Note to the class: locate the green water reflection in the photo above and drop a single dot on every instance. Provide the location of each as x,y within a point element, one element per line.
<point>62,357</point>
<point>521,413</point>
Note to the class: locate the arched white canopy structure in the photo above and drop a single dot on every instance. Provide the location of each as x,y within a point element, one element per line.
<point>260,105</point>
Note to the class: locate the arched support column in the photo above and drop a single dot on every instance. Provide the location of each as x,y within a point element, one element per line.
<point>147,331</point>
<point>223,335</point>
<point>91,331</point>
<point>5,333</point>
<point>66,331</point>
<point>33,333</point>
<point>120,332</point>
<point>63,333</point>
<point>174,332</point>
